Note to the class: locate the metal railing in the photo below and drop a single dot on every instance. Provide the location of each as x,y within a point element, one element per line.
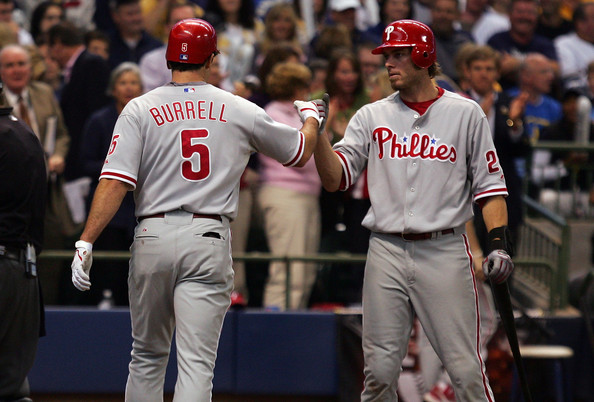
<point>320,258</point>
<point>542,257</point>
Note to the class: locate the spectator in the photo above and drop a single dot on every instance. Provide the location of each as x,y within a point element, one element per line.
<point>153,66</point>
<point>505,120</point>
<point>344,12</point>
<point>50,72</point>
<point>313,17</point>
<point>448,37</point>
<point>129,41</point>
<point>97,42</point>
<point>22,206</point>
<point>482,21</point>
<point>81,13</point>
<point>318,69</point>
<point>156,13</point>
<point>6,15</point>
<point>576,49</point>
<point>521,39</point>
<point>85,77</point>
<point>281,24</point>
<point>277,54</point>
<point>551,22</point>
<point>371,63</point>
<point>380,86</point>
<point>35,103</point>
<point>45,15</point>
<point>344,84</point>
<point>389,11</point>
<point>288,197</point>
<point>331,37</point>
<point>535,79</point>
<point>124,85</point>
<point>238,30</point>
<point>422,11</point>
<point>461,68</point>
<point>7,34</point>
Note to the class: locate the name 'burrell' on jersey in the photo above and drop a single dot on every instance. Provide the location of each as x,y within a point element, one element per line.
<point>187,110</point>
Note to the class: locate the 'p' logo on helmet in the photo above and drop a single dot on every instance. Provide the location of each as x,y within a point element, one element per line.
<point>184,47</point>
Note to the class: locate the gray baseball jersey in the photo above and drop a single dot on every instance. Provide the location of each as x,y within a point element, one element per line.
<point>422,173</point>
<point>208,135</point>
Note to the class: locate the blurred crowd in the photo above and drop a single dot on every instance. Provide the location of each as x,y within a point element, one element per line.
<point>70,67</point>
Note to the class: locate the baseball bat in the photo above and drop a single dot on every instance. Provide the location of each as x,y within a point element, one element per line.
<point>504,305</point>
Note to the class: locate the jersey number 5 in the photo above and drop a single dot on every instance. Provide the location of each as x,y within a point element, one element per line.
<point>191,146</point>
<point>492,162</point>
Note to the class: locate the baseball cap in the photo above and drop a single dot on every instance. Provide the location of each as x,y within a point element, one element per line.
<point>341,5</point>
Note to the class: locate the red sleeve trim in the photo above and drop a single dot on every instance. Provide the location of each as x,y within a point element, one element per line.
<point>299,154</point>
<point>346,180</point>
<point>489,193</point>
<point>118,176</point>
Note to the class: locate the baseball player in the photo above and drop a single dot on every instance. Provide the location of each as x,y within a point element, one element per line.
<point>429,155</point>
<point>182,148</point>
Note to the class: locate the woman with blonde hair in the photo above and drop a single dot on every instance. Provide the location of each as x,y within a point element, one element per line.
<point>288,197</point>
<point>281,25</point>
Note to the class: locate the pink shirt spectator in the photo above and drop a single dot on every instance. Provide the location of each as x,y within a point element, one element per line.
<point>304,179</point>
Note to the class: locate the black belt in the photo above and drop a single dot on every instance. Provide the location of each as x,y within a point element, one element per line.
<point>423,236</point>
<point>205,216</point>
<point>12,253</point>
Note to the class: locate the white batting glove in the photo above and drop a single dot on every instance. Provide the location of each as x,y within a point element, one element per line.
<point>307,109</point>
<point>323,109</point>
<point>498,266</point>
<point>81,265</point>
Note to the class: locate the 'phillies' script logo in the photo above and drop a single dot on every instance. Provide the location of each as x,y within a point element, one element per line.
<point>414,146</point>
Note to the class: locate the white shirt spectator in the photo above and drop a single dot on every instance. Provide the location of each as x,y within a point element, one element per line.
<point>574,54</point>
<point>490,23</point>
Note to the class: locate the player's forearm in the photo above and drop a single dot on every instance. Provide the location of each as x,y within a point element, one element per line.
<point>495,212</point>
<point>327,164</point>
<point>106,202</point>
<point>310,130</point>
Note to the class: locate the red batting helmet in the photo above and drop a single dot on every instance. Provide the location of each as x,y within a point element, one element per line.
<point>410,33</point>
<point>191,41</point>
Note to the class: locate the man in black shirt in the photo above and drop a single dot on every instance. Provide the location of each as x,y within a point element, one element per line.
<point>22,207</point>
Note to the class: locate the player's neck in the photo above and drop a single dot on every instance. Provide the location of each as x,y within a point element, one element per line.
<point>182,77</point>
<point>419,93</point>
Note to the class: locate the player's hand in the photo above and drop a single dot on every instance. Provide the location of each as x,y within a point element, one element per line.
<point>324,109</point>
<point>498,266</point>
<point>81,265</point>
<point>307,109</point>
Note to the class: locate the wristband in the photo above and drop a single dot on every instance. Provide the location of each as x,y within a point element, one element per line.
<point>500,239</point>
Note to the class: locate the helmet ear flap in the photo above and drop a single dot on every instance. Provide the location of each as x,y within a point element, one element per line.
<point>422,56</point>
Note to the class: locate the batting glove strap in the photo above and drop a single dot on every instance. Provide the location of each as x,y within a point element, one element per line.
<point>81,265</point>
<point>500,239</point>
<point>498,266</point>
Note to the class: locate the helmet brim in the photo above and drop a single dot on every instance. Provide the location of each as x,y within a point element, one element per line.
<point>380,49</point>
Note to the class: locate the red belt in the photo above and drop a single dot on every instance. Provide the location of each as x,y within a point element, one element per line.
<point>205,216</point>
<point>423,236</point>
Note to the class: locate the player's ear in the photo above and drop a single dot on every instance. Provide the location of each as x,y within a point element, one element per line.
<point>210,60</point>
